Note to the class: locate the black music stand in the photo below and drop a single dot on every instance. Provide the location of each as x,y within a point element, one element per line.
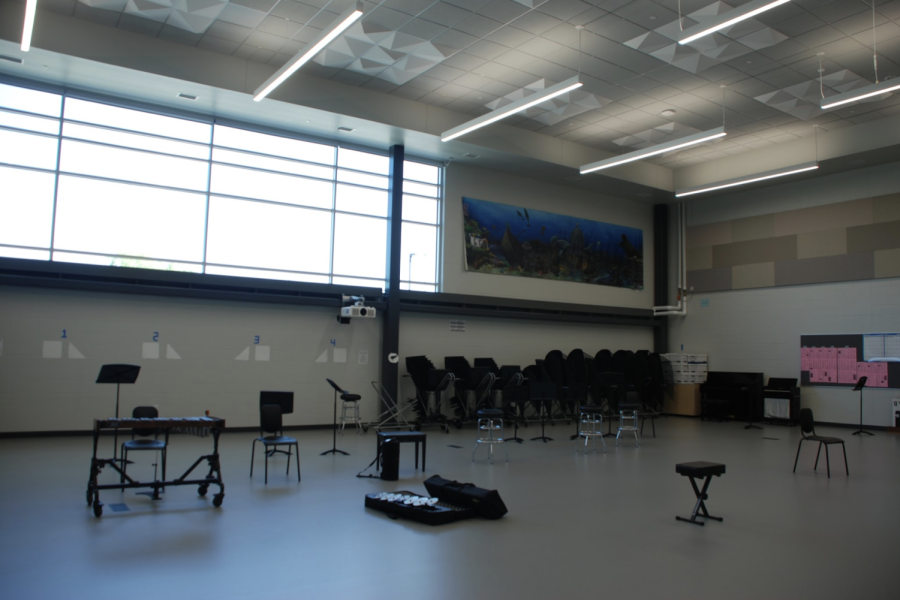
<point>539,390</point>
<point>859,387</point>
<point>118,374</point>
<point>334,448</point>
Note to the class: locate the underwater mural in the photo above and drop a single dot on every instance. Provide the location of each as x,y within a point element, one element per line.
<point>511,240</point>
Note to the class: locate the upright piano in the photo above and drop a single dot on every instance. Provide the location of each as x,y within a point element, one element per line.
<point>781,401</point>
<point>729,394</point>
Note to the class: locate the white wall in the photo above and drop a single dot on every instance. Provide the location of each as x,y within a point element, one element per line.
<point>44,394</point>
<point>759,330</point>
<point>529,193</point>
<point>59,394</point>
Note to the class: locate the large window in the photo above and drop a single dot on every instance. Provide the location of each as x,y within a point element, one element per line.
<point>89,182</point>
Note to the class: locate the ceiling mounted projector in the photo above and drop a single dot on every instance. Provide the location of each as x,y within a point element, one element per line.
<point>364,312</point>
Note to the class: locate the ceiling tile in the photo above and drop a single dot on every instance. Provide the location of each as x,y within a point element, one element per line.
<point>477,25</point>
<point>539,46</point>
<point>260,5</point>
<point>455,39</point>
<point>503,10</point>
<point>564,9</point>
<point>445,73</point>
<point>266,41</point>
<point>536,22</point>
<point>818,37</point>
<point>487,50</point>
<point>410,7</point>
<point>423,29</point>
<point>510,37</point>
<point>615,28</point>
<point>464,61</point>
<point>228,31</point>
<point>241,15</point>
<point>470,5</point>
<point>443,13</point>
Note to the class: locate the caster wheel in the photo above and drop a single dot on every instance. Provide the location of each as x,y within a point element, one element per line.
<point>98,509</point>
<point>217,500</point>
<point>365,429</point>
<point>202,489</point>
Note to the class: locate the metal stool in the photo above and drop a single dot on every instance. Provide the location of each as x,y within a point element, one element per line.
<point>590,420</point>
<point>629,412</point>
<point>490,421</point>
<point>350,412</point>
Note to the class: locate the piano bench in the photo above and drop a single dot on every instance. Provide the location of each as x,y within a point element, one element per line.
<point>699,470</point>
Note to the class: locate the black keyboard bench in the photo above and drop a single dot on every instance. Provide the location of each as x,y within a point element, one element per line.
<point>699,470</point>
<point>401,437</point>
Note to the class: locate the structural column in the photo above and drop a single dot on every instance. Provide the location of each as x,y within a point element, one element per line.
<point>661,275</point>
<point>390,333</point>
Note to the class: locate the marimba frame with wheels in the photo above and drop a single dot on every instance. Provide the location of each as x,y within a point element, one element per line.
<point>213,477</point>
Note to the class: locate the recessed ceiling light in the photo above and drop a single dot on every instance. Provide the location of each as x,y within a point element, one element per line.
<point>470,155</point>
<point>187,96</point>
<point>668,112</point>
<point>346,129</point>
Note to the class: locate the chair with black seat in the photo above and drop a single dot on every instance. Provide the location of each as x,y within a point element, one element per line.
<point>808,432</point>
<point>555,366</point>
<point>629,413</point>
<point>272,436</point>
<point>141,440</point>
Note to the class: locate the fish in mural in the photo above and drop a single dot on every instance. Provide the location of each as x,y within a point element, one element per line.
<point>626,247</point>
<point>577,238</point>
<point>511,247</point>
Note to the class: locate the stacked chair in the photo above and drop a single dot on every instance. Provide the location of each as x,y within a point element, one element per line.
<point>577,396</point>
<point>554,366</point>
<point>430,383</point>
<point>462,384</point>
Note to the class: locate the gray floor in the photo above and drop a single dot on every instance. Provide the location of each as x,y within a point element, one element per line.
<point>595,525</point>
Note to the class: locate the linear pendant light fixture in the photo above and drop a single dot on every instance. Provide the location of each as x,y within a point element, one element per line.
<point>876,89</point>
<point>691,140</point>
<point>745,11</point>
<point>510,109</point>
<point>783,172</point>
<point>350,16</point>
<point>28,26</point>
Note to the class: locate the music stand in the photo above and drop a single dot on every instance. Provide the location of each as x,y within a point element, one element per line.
<point>859,387</point>
<point>118,374</point>
<point>334,448</point>
<point>539,390</point>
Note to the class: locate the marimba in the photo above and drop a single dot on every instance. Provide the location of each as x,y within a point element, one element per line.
<point>197,425</point>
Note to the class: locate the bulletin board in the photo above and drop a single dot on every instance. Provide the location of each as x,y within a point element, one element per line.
<point>839,360</point>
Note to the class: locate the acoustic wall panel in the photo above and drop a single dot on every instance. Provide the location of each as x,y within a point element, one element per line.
<point>849,267</point>
<point>822,243</point>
